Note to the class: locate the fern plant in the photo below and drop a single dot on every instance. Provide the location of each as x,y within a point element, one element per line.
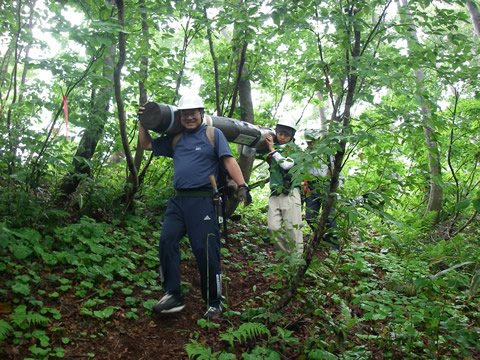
<point>5,329</point>
<point>245,332</point>
<point>23,319</point>
<point>201,352</point>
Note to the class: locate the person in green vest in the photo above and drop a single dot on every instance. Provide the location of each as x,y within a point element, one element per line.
<point>284,205</point>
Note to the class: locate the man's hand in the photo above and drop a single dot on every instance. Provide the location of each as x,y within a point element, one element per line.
<point>140,111</point>
<point>244,195</point>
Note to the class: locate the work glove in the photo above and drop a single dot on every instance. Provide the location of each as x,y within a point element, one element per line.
<point>244,194</point>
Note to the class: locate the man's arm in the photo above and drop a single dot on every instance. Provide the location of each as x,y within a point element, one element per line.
<point>144,138</point>
<point>236,174</point>
<point>233,169</point>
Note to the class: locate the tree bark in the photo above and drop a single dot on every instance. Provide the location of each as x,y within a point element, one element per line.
<point>244,90</point>
<point>321,112</point>
<point>352,58</point>
<point>27,49</point>
<point>11,126</point>
<point>94,131</point>
<point>474,15</point>
<point>436,192</point>
<point>141,86</point>
<point>215,64</point>
<point>247,155</point>
<point>133,176</point>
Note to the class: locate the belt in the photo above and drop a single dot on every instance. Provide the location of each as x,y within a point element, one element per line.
<point>283,192</point>
<point>193,193</point>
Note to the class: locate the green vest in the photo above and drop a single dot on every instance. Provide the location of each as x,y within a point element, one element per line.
<point>280,179</point>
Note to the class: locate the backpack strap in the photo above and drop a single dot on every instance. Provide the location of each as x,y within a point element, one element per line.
<point>210,132</point>
<point>176,139</point>
<point>211,135</point>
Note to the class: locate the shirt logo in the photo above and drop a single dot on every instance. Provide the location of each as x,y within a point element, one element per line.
<point>198,148</point>
<point>206,218</point>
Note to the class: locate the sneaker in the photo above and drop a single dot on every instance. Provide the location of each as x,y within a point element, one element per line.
<point>213,312</point>
<point>169,303</point>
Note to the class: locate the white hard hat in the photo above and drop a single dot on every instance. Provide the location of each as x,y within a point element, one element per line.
<point>287,121</point>
<point>286,124</point>
<point>190,102</point>
<point>311,134</point>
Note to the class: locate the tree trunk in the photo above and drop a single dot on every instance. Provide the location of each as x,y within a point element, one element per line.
<point>352,58</point>
<point>215,65</point>
<point>15,131</point>
<point>436,191</point>
<point>133,176</point>
<point>244,91</point>
<point>27,49</point>
<point>94,131</point>
<point>11,124</point>
<point>474,15</point>
<point>247,154</point>
<point>321,113</point>
<point>143,92</point>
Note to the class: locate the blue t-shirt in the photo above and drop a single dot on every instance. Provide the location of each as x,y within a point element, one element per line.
<point>194,158</point>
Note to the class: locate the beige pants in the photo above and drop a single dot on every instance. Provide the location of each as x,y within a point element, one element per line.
<point>285,221</point>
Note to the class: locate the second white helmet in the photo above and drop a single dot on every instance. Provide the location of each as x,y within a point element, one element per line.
<point>190,102</point>
<point>312,134</point>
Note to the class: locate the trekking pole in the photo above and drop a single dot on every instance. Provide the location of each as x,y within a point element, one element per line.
<point>220,209</point>
<point>217,201</point>
<point>224,214</point>
<point>220,212</point>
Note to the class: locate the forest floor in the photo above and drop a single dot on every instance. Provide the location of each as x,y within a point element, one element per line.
<point>154,336</point>
<point>297,332</point>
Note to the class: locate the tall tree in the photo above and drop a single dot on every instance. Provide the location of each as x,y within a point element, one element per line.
<point>141,84</point>
<point>19,47</point>
<point>98,115</point>
<point>475,16</point>
<point>245,15</point>
<point>133,175</point>
<point>434,163</point>
<point>357,43</point>
<point>93,133</point>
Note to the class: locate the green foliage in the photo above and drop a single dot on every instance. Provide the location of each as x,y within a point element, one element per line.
<point>14,205</point>
<point>5,329</point>
<point>23,319</point>
<point>200,352</point>
<point>260,352</point>
<point>406,284</point>
<point>245,332</point>
<point>475,285</point>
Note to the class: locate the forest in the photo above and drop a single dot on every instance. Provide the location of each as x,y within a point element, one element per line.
<point>392,86</point>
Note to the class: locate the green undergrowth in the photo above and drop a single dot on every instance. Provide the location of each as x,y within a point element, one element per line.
<point>406,297</point>
<point>87,260</point>
<point>414,297</point>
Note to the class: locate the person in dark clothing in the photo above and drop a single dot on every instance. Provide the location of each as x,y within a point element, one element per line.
<point>316,192</point>
<point>191,210</point>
